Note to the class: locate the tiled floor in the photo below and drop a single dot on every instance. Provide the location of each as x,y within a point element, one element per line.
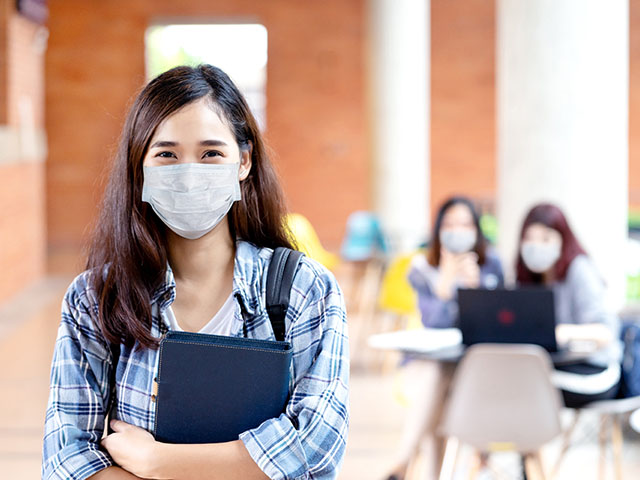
<point>27,331</point>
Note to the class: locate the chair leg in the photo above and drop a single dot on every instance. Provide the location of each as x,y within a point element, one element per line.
<point>369,314</point>
<point>604,427</point>
<point>450,459</point>
<point>528,472</point>
<point>438,446</point>
<point>566,443</point>
<point>537,461</point>
<point>413,468</point>
<point>616,443</point>
<point>476,465</point>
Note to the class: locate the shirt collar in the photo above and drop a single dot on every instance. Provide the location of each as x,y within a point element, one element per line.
<point>247,282</point>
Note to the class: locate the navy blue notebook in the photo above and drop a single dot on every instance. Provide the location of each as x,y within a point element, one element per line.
<point>212,388</point>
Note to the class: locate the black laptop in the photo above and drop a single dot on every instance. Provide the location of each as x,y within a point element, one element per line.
<point>524,315</point>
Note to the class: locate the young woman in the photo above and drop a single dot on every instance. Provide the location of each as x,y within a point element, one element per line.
<point>459,256</point>
<point>549,254</point>
<point>190,217</point>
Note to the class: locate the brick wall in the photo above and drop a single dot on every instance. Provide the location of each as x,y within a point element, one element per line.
<point>5,11</point>
<point>22,187</point>
<point>634,105</point>
<point>315,101</point>
<point>462,100</point>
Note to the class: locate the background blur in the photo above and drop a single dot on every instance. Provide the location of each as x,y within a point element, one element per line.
<point>388,106</point>
<point>66,82</point>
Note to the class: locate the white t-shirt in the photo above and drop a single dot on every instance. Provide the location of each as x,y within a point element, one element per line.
<point>220,324</point>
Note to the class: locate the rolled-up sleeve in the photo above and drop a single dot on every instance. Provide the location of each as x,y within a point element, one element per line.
<point>436,313</point>
<point>308,440</point>
<point>79,391</point>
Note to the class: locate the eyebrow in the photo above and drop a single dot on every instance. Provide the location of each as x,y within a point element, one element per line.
<point>204,143</point>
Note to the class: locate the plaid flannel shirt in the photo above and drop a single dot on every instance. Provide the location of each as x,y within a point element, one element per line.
<point>306,442</point>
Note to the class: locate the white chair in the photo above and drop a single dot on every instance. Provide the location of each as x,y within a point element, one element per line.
<point>634,421</point>
<point>502,399</point>
<point>611,413</point>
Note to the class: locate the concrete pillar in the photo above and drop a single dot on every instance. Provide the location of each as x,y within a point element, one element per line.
<point>562,105</point>
<point>398,89</point>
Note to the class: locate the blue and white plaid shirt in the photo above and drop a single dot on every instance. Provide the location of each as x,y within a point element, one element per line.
<point>306,442</point>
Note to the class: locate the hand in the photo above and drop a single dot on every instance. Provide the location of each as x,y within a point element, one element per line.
<point>468,270</point>
<point>132,448</point>
<point>583,337</point>
<point>447,273</point>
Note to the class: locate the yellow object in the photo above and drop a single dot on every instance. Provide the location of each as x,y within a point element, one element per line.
<point>502,447</point>
<point>306,240</point>
<point>396,293</point>
<point>399,390</point>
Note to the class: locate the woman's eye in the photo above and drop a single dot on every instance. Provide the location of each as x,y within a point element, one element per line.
<point>166,155</point>
<point>212,154</point>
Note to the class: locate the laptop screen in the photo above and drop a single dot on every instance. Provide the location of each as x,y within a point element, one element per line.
<point>525,315</point>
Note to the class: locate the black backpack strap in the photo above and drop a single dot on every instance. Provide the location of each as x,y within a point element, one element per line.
<point>115,356</point>
<point>282,268</point>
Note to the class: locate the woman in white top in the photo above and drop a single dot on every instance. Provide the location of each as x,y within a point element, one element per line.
<point>550,255</point>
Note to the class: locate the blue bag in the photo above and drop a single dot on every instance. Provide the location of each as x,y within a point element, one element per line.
<point>630,335</point>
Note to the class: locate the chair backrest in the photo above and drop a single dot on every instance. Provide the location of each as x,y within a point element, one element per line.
<point>396,294</point>
<point>502,399</point>
<point>307,241</point>
<point>363,239</point>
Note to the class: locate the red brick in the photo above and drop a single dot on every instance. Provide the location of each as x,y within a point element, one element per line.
<point>22,232</point>
<point>634,105</point>
<point>22,185</point>
<point>462,100</point>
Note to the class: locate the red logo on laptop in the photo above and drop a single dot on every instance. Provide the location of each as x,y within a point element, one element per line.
<point>506,317</point>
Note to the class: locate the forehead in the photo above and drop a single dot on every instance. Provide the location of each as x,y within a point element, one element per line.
<point>196,121</point>
<point>458,213</point>
<point>541,229</point>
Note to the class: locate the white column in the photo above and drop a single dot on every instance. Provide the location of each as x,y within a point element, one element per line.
<point>562,104</point>
<point>398,88</point>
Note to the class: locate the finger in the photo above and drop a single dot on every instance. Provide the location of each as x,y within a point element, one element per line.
<point>118,425</point>
<point>105,442</point>
<point>471,260</point>
<point>445,254</point>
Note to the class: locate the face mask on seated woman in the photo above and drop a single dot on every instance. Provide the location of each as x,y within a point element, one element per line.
<point>458,240</point>
<point>539,257</point>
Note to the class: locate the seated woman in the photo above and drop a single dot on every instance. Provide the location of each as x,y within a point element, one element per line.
<point>459,257</point>
<point>549,254</point>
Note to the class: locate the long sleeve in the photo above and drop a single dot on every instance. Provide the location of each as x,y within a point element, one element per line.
<point>588,293</point>
<point>582,301</point>
<point>438,313</point>
<point>79,391</point>
<point>308,440</point>
<point>435,312</point>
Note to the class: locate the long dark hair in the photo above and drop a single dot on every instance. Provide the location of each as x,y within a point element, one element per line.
<point>552,217</point>
<point>433,254</point>
<point>128,252</point>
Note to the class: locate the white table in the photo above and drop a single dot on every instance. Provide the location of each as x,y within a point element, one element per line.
<point>445,345</point>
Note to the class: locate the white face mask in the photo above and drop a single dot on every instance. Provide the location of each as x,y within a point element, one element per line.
<point>458,240</point>
<point>540,257</point>
<point>191,198</point>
